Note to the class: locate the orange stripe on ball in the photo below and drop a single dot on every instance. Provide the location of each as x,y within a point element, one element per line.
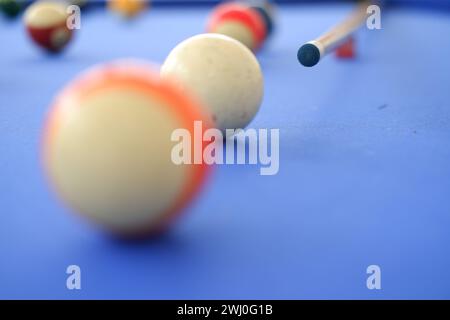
<point>242,13</point>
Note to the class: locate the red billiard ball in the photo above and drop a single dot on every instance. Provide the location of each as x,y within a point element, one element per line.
<point>347,49</point>
<point>46,23</point>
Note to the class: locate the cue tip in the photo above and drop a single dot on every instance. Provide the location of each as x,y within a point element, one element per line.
<point>309,54</point>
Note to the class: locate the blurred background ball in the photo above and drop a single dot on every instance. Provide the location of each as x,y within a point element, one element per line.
<point>46,24</point>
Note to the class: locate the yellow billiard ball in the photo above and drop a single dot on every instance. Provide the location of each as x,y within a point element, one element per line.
<point>128,8</point>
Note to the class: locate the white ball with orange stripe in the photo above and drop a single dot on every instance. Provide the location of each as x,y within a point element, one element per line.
<point>46,23</point>
<point>107,148</point>
<point>238,21</point>
<point>223,73</point>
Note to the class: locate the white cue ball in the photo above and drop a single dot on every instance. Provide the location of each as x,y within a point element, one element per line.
<point>223,73</point>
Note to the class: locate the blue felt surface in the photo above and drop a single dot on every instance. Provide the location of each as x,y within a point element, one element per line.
<point>364,171</point>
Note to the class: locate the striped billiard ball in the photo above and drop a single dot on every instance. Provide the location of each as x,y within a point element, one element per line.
<point>46,24</point>
<point>107,148</point>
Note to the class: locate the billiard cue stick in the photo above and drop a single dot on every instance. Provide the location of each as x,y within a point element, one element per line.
<point>313,51</point>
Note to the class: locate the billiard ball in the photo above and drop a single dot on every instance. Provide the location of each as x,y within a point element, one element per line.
<point>266,9</point>
<point>347,49</point>
<point>224,75</point>
<point>46,23</point>
<point>240,22</point>
<point>11,8</point>
<point>107,148</point>
<point>128,8</point>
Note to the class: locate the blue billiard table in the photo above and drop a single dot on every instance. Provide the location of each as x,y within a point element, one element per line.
<point>364,175</point>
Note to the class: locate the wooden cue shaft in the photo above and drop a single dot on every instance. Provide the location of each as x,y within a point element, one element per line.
<point>313,51</point>
<point>334,37</point>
